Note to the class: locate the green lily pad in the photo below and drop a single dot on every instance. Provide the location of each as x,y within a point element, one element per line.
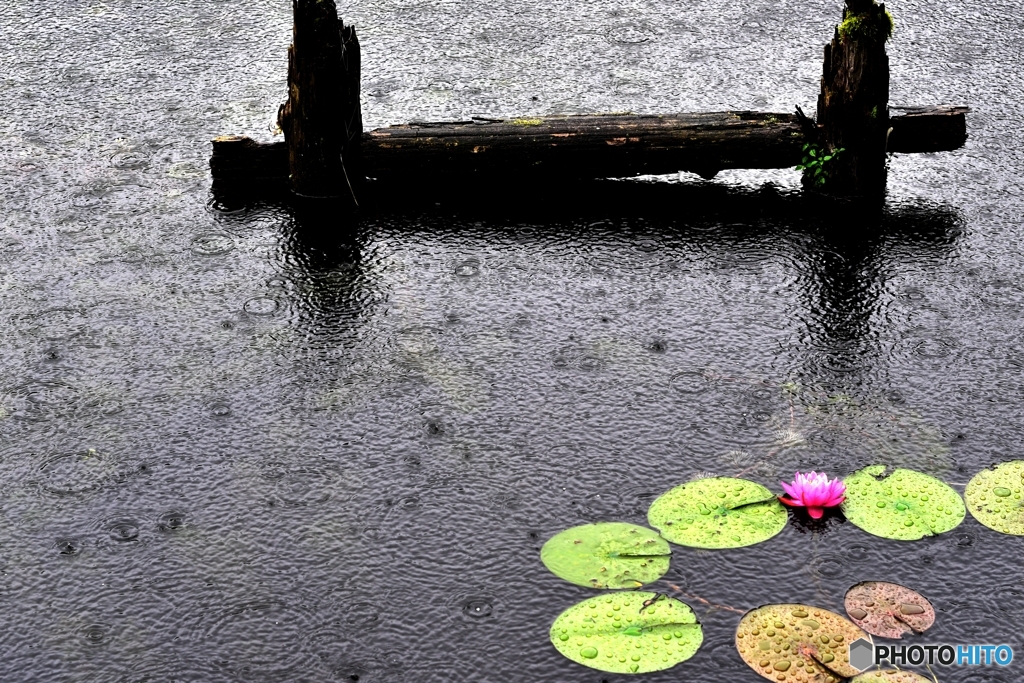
<point>797,643</point>
<point>994,497</point>
<point>890,676</point>
<point>904,505</point>
<point>888,609</point>
<point>718,512</point>
<point>629,632</point>
<point>607,555</point>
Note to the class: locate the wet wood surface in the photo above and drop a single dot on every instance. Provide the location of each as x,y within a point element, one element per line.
<point>321,116</point>
<point>598,146</point>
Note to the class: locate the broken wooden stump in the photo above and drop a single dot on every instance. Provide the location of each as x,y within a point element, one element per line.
<point>853,106</point>
<point>322,120</point>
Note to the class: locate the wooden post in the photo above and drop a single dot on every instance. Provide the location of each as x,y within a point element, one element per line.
<point>321,120</point>
<point>853,103</point>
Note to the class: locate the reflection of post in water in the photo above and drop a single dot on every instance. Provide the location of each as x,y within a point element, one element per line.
<point>323,256</point>
<point>844,281</point>
<point>844,257</point>
<point>849,262</point>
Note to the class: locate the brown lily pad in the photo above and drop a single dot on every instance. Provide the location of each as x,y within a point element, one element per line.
<point>890,676</point>
<point>797,643</point>
<point>888,610</point>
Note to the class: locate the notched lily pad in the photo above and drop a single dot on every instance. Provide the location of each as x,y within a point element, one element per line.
<point>607,555</point>
<point>890,676</point>
<point>629,632</point>
<point>797,643</point>
<point>718,512</point>
<point>904,505</point>
<point>888,609</point>
<point>994,497</point>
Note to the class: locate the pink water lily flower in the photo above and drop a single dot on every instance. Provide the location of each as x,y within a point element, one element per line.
<point>815,492</point>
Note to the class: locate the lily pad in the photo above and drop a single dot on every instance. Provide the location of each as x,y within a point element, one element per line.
<point>888,609</point>
<point>994,497</point>
<point>890,676</point>
<point>904,505</point>
<point>718,512</point>
<point>628,632</point>
<point>607,555</point>
<point>797,643</point>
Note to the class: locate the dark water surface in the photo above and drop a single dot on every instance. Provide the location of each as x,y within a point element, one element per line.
<point>232,452</point>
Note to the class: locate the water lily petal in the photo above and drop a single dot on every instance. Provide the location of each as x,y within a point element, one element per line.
<point>814,491</point>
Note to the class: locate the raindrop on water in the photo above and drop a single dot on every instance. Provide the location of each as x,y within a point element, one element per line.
<point>828,566</point>
<point>261,305</point>
<point>123,531</point>
<point>477,608</point>
<point>129,160</point>
<point>170,521</point>
<point>212,244</point>
<point>690,382</point>
<point>95,634</point>
<point>467,268</point>
<point>933,348</point>
<point>658,346</point>
<point>74,473</point>
<point>67,546</point>
<point>219,409</point>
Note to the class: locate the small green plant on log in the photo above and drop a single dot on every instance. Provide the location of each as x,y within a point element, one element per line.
<point>815,163</point>
<point>866,26</point>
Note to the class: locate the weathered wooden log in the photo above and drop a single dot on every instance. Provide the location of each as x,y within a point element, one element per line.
<point>853,103</point>
<point>321,119</point>
<point>586,146</point>
<point>239,159</point>
<point>923,130</point>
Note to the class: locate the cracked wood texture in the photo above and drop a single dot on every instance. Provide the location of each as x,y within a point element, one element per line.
<point>321,119</point>
<point>588,146</point>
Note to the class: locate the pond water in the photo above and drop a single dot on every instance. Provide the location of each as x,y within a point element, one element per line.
<point>236,448</point>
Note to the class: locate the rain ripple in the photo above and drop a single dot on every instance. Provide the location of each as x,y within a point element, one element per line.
<point>348,659</point>
<point>471,607</point>
<point>76,473</point>
<point>295,487</point>
<point>41,401</point>
<point>256,638</point>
